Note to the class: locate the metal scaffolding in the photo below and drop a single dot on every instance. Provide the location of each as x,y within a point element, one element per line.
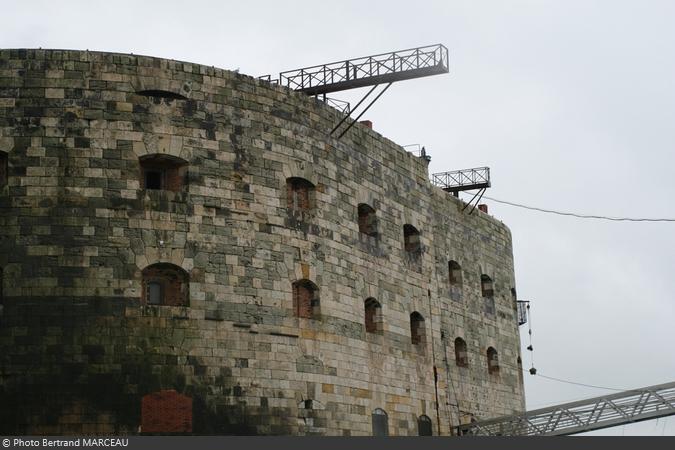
<point>581,416</point>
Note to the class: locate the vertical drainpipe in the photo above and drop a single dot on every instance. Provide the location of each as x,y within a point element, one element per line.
<point>433,359</point>
<point>447,392</point>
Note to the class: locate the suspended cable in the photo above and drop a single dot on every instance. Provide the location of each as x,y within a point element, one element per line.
<point>580,216</point>
<point>583,384</point>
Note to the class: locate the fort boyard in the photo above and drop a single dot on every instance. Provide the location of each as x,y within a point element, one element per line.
<point>187,250</point>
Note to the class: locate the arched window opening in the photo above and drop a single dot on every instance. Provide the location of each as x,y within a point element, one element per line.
<point>163,172</point>
<point>373,315</point>
<point>161,94</point>
<point>367,220</point>
<point>4,169</point>
<point>411,240</point>
<point>380,422</point>
<point>492,360</point>
<point>165,284</point>
<point>424,426</point>
<point>487,289</point>
<point>461,354</point>
<point>417,334</point>
<point>300,194</point>
<point>519,362</point>
<point>306,299</point>
<point>455,274</point>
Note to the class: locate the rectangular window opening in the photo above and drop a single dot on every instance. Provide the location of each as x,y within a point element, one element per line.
<point>154,179</point>
<point>154,293</point>
<point>3,169</point>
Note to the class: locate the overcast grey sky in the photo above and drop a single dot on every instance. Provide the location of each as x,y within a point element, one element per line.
<point>570,103</point>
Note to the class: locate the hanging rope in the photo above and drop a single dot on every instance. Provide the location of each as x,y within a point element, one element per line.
<point>533,371</point>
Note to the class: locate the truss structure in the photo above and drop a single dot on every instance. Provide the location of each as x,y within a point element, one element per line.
<point>366,71</point>
<point>584,415</point>
<point>462,180</point>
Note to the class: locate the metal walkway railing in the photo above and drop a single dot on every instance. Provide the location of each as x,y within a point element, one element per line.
<point>462,180</point>
<point>367,71</point>
<point>581,416</point>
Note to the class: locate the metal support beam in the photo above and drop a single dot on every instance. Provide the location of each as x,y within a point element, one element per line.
<point>357,105</point>
<point>482,191</point>
<point>585,415</point>
<point>364,111</point>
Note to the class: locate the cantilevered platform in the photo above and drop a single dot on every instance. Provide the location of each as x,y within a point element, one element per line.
<point>462,180</point>
<point>368,70</point>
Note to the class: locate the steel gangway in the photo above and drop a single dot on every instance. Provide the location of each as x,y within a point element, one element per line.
<point>366,71</point>
<point>591,414</point>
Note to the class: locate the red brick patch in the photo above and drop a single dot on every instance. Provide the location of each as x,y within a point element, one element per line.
<point>166,412</point>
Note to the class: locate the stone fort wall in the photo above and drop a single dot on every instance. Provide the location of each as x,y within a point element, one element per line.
<point>84,350</point>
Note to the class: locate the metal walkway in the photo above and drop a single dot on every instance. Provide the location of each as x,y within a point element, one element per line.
<point>462,180</point>
<point>367,71</point>
<point>585,415</point>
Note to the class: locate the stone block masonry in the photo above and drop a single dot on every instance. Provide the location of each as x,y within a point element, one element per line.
<point>181,252</point>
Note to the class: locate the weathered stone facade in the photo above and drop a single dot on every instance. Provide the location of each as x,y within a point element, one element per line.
<point>84,350</point>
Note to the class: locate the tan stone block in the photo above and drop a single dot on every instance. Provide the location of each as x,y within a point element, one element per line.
<point>125,106</point>
<point>308,334</point>
<point>360,393</point>
<point>54,73</point>
<point>54,93</point>
<point>44,250</point>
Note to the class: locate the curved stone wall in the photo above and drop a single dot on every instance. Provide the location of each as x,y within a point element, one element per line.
<point>84,350</point>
